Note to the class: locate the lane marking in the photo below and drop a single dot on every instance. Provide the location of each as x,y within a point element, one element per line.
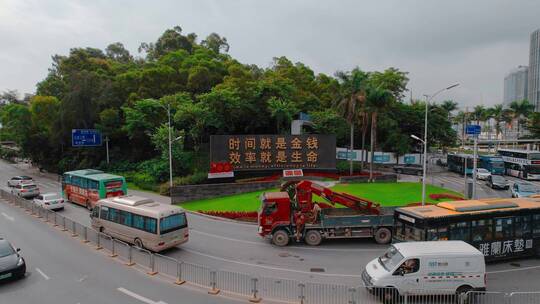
<point>8,217</point>
<point>292,247</point>
<point>270,267</point>
<point>138,297</point>
<point>42,274</point>
<point>512,270</point>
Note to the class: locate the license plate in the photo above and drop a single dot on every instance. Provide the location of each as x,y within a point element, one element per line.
<point>54,203</point>
<point>5,276</point>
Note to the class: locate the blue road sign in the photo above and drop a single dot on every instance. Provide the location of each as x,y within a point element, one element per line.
<point>473,130</point>
<point>85,138</point>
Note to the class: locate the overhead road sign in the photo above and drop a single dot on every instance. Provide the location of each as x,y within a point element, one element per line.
<point>85,138</point>
<point>473,129</point>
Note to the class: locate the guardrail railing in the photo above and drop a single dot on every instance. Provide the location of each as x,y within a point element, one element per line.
<point>256,288</point>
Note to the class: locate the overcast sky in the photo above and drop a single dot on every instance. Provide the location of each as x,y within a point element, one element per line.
<point>439,43</point>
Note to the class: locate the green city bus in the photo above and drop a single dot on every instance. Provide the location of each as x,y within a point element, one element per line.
<point>86,187</point>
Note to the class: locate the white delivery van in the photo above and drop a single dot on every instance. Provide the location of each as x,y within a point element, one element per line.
<point>426,268</point>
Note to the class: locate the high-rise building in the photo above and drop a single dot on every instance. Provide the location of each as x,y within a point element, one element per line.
<point>534,70</point>
<point>515,85</point>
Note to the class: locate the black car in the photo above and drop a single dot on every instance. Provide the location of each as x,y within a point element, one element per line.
<point>409,169</point>
<point>12,264</point>
<point>497,182</point>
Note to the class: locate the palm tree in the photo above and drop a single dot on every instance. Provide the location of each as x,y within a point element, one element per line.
<point>378,99</point>
<point>449,106</point>
<point>497,114</point>
<point>282,111</point>
<point>521,110</point>
<point>478,113</point>
<point>507,117</point>
<point>352,104</point>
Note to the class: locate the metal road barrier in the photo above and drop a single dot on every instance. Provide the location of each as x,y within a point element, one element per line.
<point>255,288</point>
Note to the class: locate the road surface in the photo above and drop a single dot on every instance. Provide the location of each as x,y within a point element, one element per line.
<point>63,270</point>
<point>237,247</point>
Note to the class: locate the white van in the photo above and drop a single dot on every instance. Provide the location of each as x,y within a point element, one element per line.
<point>426,268</point>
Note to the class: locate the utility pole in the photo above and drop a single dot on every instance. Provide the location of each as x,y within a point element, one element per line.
<point>475,154</point>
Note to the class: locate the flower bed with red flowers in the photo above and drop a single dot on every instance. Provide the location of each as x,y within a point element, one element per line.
<point>233,215</point>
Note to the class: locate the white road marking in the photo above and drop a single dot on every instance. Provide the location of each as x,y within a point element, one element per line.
<point>138,297</point>
<point>292,247</point>
<point>269,267</point>
<point>42,274</point>
<point>512,270</point>
<point>8,217</point>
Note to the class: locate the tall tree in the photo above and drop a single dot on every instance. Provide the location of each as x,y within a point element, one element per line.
<point>521,110</point>
<point>352,104</point>
<point>378,99</point>
<point>216,43</point>
<point>282,111</point>
<point>497,113</point>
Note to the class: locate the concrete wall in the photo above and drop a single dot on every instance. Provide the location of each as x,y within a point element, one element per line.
<point>182,194</point>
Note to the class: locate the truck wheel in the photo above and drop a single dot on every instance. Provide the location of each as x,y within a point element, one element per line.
<point>313,238</point>
<point>383,236</point>
<point>280,238</point>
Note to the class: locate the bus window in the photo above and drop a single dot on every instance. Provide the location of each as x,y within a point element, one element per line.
<point>150,225</point>
<point>536,225</point>
<point>522,227</point>
<point>172,223</point>
<point>432,235</point>
<point>124,217</point>
<point>104,213</point>
<point>138,221</point>
<point>93,185</point>
<point>503,228</point>
<point>113,215</point>
<point>481,230</point>
<point>460,231</point>
<point>84,183</point>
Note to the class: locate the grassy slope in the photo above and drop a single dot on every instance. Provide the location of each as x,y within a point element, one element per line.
<point>387,194</point>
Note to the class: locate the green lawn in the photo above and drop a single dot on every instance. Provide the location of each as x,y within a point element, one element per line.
<point>387,194</point>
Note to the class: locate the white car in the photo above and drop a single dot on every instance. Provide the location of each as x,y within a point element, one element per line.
<point>17,180</point>
<point>482,174</point>
<point>51,201</point>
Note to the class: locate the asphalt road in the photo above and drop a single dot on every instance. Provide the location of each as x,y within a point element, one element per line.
<point>237,247</point>
<point>63,270</point>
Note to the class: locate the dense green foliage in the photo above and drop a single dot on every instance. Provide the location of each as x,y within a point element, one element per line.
<point>209,92</point>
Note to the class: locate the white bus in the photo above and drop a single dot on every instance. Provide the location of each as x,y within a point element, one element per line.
<point>141,221</point>
<point>521,163</point>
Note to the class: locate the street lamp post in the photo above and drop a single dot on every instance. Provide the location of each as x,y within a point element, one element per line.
<point>425,139</point>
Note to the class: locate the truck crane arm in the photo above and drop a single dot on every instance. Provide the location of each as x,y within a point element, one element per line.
<point>304,195</point>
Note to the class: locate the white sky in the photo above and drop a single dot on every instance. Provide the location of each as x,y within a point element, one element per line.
<point>439,42</point>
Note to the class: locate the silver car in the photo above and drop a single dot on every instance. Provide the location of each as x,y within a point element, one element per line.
<point>16,180</point>
<point>28,190</point>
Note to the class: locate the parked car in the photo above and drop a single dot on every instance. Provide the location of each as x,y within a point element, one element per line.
<point>523,189</point>
<point>51,201</point>
<point>482,174</point>
<point>497,182</point>
<point>16,180</point>
<point>408,169</point>
<point>29,190</point>
<point>12,264</point>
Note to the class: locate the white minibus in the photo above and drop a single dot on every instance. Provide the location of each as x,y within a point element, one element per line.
<point>141,221</point>
<point>426,268</point>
